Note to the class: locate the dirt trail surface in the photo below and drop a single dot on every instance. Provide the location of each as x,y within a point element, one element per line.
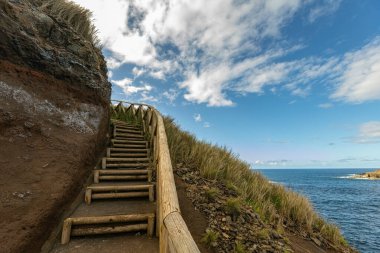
<point>50,138</point>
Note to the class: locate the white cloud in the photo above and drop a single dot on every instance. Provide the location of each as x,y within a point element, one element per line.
<point>369,132</point>
<point>205,37</point>
<point>206,125</point>
<point>325,105</point>
<point>202,42</point>
<point>360,77</point>
<point>128,88</point>
<point>197,117</point>
<point>138,71</point>
<point>170,95</point>
<point>327,7</point>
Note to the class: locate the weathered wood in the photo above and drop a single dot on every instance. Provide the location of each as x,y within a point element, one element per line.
<point>108,230</point>
<point>66,231</point>
<point>104,162</point>
<point>129,159</point>
<point>87,196</point>
<point>110,219</point>
<point>123,177</point>
<point>116,195</point>
<point>129,141</point>
<point>96,176</point>
<point>179,234</point>
<point>129,150</point>
<point>150,229</point>
<point>129,135</point>
<point>122,172</point>
<point>125,155</point>
<point>129,146</point>
<point>133,187</point>
<point>131,131</point>
<point>127,165</point>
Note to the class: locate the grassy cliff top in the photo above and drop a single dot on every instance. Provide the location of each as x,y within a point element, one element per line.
<point>275,204</point>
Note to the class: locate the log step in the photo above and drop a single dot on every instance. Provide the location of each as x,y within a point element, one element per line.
<point>130,131</point>
<point>124,162</point>
<point>129,141</point>
<point>126,159</point>
<point>126,165</point>
<point>130,138</point>
<point>127,150</point>
<point>122,175</point>
<point>96,191</point>
<point>127,155</point>
<point>109,224</point>
<point>129,146</point>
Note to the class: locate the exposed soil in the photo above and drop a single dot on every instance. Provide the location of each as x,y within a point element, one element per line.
<point>43,162</point>
<point>195,220</point>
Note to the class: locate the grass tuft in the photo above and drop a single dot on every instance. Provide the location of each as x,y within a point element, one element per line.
<point>211,193</point>
<point>233,207</point>
<point>239,248</point>
<point>210,237</point>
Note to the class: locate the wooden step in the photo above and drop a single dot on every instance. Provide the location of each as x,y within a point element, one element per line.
<point>133,128</point>
<point>130,131</point>
<point>125,138</point>
<point>124,162</point>
<point>126,159</point>
<point>129,141</point>
<point>109,224</point>
<point>122,175</point>
<point>130,136</point>
<point>129,146</point>
<point>127,150</point>
<point>125,155</point>
<point>97,191</point>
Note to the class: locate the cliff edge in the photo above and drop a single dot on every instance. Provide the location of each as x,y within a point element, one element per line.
<point>54,98</point>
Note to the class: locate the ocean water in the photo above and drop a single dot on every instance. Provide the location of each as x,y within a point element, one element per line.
<point>352,204</point>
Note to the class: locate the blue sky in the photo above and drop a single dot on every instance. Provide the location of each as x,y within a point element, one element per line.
<point>283,83</point>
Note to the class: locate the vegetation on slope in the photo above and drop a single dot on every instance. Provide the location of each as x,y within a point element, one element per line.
<point>274,203</point>
<point>73,15</point>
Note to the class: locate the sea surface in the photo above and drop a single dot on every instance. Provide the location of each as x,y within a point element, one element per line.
<point>352,204</point>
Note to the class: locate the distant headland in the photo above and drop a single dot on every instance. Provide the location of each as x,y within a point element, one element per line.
<point>368,175</point>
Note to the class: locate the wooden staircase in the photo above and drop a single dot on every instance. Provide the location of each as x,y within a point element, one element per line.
<point>122,196</point>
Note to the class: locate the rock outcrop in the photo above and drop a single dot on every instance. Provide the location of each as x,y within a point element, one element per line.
<point>54,115</point>
<point>368,175</point>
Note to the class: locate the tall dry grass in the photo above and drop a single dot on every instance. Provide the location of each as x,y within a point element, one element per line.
<point>77,17</point>
<point>275,203</point>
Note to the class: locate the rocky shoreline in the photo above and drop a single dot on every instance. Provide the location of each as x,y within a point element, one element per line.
<point>373,175</point>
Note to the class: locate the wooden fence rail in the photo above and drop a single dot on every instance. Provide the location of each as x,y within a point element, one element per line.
<point>174,236</point>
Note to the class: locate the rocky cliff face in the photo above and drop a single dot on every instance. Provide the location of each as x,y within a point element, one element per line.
<point>54,98</point>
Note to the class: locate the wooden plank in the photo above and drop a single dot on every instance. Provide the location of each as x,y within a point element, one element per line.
<point>128,159</point>
<point>130,187</point>
<point>131,146</point>
<point>179,234</point>
<point>128,141</point>
<point>108,230</point>
<point>127,165</point>
<point>122,172</point>
<point>130,150</point>
<point>125,155</point>
<point>110,219</point>
<point>116,195</point>
<point>123,177</point>
<point>66,231</point>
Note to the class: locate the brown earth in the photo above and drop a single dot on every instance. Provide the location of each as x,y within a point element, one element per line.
<point>51,135</point>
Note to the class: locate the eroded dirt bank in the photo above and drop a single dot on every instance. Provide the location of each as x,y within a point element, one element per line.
<point>54,116</point>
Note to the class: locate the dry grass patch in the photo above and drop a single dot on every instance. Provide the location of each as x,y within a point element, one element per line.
<point>75,16</point>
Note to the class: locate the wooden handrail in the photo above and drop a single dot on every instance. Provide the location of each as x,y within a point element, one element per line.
<point>172,230</point>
